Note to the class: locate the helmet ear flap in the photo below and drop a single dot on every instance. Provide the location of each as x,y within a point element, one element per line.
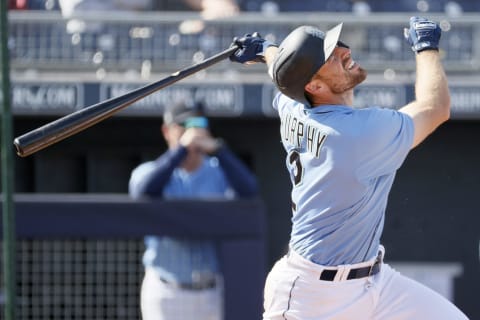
<point>279,63</point>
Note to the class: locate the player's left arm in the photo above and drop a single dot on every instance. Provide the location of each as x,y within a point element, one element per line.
<point>431,106</point>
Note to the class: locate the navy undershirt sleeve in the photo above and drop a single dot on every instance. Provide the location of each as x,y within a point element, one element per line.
<point>154,183</point>
<point>239,176</point>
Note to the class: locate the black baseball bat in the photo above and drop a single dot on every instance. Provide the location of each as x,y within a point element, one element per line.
<point>80,120</point>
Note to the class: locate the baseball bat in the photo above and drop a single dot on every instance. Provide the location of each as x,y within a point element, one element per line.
<point>82,119</point>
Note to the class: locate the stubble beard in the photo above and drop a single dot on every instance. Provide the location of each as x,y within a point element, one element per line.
<point>353,79</point>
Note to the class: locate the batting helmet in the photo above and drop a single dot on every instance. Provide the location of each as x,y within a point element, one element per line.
<point>299,57</point>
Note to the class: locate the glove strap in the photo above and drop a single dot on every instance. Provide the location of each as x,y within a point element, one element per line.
<point>423,46</point>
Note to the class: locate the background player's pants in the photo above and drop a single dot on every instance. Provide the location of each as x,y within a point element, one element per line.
<point>161,301</point>
<point>293,291</point>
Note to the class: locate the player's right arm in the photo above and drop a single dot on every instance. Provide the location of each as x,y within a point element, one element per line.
<point>150,178</point>
<point>431,106</point>
<point>270,53</point>
<point>252,48</point>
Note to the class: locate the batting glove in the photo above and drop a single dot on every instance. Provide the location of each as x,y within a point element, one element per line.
<point>251,48</point>
<point>423,34</point>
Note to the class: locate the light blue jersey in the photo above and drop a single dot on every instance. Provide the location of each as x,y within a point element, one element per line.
<point>342,162</point>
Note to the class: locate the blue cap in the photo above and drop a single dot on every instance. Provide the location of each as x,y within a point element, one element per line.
<point>180,112</point>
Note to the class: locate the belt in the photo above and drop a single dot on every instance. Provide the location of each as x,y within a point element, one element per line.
<point>209,284</point>
<point>329,275</point>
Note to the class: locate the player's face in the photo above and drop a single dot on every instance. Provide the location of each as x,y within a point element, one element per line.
<point>341,72</point>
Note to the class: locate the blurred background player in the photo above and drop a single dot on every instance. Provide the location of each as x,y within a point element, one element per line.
<point>182,276</point>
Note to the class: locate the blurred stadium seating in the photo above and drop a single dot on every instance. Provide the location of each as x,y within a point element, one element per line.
<point>163,42</point>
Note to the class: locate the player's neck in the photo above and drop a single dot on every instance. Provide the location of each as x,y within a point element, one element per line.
<point>192,162</point>
<point>345,99</point>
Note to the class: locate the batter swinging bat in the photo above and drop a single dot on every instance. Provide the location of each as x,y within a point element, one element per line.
<point>80,120</point>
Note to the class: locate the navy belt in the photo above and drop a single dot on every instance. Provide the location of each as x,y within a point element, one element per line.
<point>210,284</point>
<point>358,273</point>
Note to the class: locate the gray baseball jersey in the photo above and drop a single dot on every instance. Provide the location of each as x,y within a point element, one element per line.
<point>342,162</point>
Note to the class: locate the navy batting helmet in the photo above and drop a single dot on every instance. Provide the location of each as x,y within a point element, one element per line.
<point>299,57</point>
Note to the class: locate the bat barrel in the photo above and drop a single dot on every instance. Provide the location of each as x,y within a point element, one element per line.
<point>80,120</point>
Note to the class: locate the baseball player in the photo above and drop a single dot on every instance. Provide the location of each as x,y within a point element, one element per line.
<point>342,162</point>
<point>183,276</point>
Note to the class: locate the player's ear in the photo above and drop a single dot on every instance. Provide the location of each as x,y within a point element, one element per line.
<point>313,87</point>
